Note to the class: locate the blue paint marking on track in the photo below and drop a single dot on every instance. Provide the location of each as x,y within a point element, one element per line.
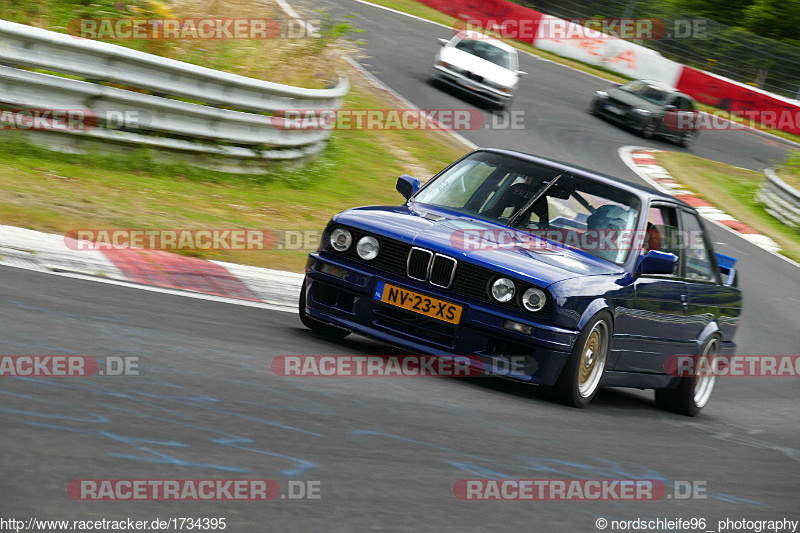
<point>603,468</point>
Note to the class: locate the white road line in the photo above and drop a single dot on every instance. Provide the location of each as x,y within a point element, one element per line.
<point>409,15</point>
<point>379,84</point>
<point>289,10</point>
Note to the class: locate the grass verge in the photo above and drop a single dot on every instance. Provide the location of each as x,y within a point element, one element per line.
<point>413,7</point>
<point>733,190</point>
<point>310,62</point>
<point>53,192</point>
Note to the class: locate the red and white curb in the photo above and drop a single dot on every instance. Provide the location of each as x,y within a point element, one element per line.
<point>154,270</point>
<point>644,164</point>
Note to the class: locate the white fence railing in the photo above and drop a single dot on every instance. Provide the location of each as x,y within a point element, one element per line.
<point>243,137</point>
<point>780,200</point>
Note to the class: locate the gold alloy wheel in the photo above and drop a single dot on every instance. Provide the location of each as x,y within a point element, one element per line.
<point>593,359</point>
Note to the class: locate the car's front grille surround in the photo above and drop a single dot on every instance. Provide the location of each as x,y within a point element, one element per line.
<point>418,264</point>
<point>443,271</point>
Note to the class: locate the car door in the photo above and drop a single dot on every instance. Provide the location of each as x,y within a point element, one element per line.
<point>708,300</point>
<point>656,326</point>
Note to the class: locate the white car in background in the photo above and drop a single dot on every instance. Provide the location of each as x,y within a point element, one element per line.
<point>480,65</point>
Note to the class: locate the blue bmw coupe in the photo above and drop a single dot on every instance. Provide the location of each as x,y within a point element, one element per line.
<point>549,273</point>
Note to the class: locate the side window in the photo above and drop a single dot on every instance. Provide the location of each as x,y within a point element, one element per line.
<point>662,233</point>
<point>698,256</point>
<point>687,104</point>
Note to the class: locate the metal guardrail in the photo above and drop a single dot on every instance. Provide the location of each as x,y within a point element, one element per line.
<point>779,199</point>
<point>242,138</point>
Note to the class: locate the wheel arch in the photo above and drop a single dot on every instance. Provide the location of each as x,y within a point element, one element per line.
<point>711,329</point>
<point>596,306</point>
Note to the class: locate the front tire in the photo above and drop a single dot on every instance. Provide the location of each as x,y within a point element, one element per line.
<point>316,326</point>
<point>692,392</point>
<point>580,379</point>
<point>688,139</point>
<point>649,130</point>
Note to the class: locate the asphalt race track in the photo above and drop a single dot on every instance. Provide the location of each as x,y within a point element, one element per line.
<point>386,452</point>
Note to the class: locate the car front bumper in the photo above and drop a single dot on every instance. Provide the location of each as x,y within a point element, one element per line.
<point>627,118</point>
<point>347,301</point>
<point>464,84</point>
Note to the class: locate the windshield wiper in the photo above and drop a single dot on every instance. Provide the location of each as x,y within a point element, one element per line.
<point>516,216</point>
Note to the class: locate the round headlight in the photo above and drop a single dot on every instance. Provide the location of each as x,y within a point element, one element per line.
<point>341,239</point>
<point>368,248</point>
<point>534,299</point>
<point>503,289</point>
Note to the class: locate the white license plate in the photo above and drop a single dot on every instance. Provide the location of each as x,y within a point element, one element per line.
<point>615,110</point>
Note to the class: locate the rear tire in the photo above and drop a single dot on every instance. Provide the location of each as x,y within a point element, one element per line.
<point>692,392</point>
<point>316,326</point>
<point>580,379</point>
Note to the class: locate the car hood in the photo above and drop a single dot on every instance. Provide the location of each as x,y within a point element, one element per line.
<point>442,231</point>
<point>476,65</point>
<point>632,100</point>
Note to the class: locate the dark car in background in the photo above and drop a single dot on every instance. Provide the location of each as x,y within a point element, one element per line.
<point>649,108</point>
<point>538,268</point>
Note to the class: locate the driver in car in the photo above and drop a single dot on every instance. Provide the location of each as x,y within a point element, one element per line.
<point>614,219</point>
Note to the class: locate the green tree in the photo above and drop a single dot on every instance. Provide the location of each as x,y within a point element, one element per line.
<point>730,12</point>
<point>777,19</point>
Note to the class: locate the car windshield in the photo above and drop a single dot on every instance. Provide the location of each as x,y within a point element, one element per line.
<point>646,91</point>
<point>541,200</point>
<point>487,51</point>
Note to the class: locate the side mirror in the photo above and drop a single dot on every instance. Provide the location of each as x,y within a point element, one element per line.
<point>443,41</point>
<point>726,265</point>
<point>655,262</point>
<point>670,107</point>
<point>407,186</point>
<point>521,73</point>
